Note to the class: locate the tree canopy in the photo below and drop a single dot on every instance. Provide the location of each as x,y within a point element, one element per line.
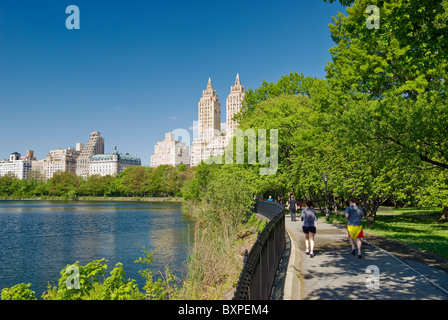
<point>133,182</point>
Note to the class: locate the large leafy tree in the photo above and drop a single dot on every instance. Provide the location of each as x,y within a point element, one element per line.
<point>391,82</point>
<point>399,69</point>
<point>312,140</point>
<point>63,183</point>
<point>288,114</point>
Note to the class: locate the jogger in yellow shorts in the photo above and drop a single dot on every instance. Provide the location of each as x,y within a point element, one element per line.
<point>354,214</point>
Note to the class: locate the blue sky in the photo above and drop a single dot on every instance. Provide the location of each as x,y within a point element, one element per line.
<point>136,69</point>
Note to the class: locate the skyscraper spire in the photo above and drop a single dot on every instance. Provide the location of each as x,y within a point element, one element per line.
<point>209,84</point>
<point>233,105</point>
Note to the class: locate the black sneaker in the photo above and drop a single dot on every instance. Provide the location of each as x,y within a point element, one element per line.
<point>311,255</point>
<point>359,256</point>
<point>353,252</point>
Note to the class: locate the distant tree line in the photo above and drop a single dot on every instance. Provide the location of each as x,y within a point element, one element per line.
<point>136,181</point>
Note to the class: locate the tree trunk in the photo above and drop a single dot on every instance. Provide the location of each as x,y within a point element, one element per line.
<point>370,205</point>
<point>444,217</point>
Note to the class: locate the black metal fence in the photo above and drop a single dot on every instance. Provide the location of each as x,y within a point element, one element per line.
<point>261,262</point>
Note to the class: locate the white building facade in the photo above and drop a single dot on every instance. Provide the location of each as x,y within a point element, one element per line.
<point>198,152</point>
<point>112,163</point>
<point>15,166</point>
<point>60,160</point>
<point>170,152</point>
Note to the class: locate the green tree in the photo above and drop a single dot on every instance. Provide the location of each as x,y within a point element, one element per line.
<point>62,183</point>
<point>155,181</point>
<point>6,184</point>
<point>195,189</point>
<point>288,114</point>
<point>95,185</point>
<point>292,84</point>
<point>40,189</point>
<point>390,82</point>
<point>313,139</point>
<point>170,181</point>
<point>133,181</point>
<point>112,187</point>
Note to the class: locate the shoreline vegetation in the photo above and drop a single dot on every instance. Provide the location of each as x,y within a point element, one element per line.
<point>179,200</point>
<point>147,183</point>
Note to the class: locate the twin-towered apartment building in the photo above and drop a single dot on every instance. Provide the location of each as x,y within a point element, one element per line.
<point>210,140</point>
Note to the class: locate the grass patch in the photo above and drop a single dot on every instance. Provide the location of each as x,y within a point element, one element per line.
<point>414,227</point>
<point>215,264</point>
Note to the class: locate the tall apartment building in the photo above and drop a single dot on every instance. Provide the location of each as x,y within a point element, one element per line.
<point>60,160</point>
<point>94,146</point>
<point>112,163</point>
<point>171,152</point>
<point>233,106</point>
<point>209,112</point>
<point>16,166</point>
<point>209,124</point>
<point>211,141</point>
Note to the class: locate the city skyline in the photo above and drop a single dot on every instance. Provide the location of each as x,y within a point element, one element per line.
<point>134,71</point>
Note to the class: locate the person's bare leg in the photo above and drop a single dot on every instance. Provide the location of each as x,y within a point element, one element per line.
<point>311,242</point>
<point>359,244</point>
<point>353,244</point>
<point>307,242</point>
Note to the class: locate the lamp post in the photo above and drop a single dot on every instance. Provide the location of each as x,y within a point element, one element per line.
<point>327,216</point>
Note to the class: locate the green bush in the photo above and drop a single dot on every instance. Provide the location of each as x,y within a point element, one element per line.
<point>88,282</point>
<point>21,291</point>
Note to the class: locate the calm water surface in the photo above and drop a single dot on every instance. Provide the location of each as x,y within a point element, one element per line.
<point>39,238</point>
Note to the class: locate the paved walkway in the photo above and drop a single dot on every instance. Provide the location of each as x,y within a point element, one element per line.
<point>336,274</point>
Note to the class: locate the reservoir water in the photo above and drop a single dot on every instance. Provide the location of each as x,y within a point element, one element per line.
<point>39,238</point>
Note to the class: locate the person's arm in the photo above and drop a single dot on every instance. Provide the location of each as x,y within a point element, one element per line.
<point>346,213</point>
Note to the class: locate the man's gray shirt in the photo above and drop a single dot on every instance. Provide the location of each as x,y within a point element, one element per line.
<point>355,215</point>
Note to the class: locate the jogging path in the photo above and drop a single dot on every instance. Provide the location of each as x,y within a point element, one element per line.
<point>335,274</point>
